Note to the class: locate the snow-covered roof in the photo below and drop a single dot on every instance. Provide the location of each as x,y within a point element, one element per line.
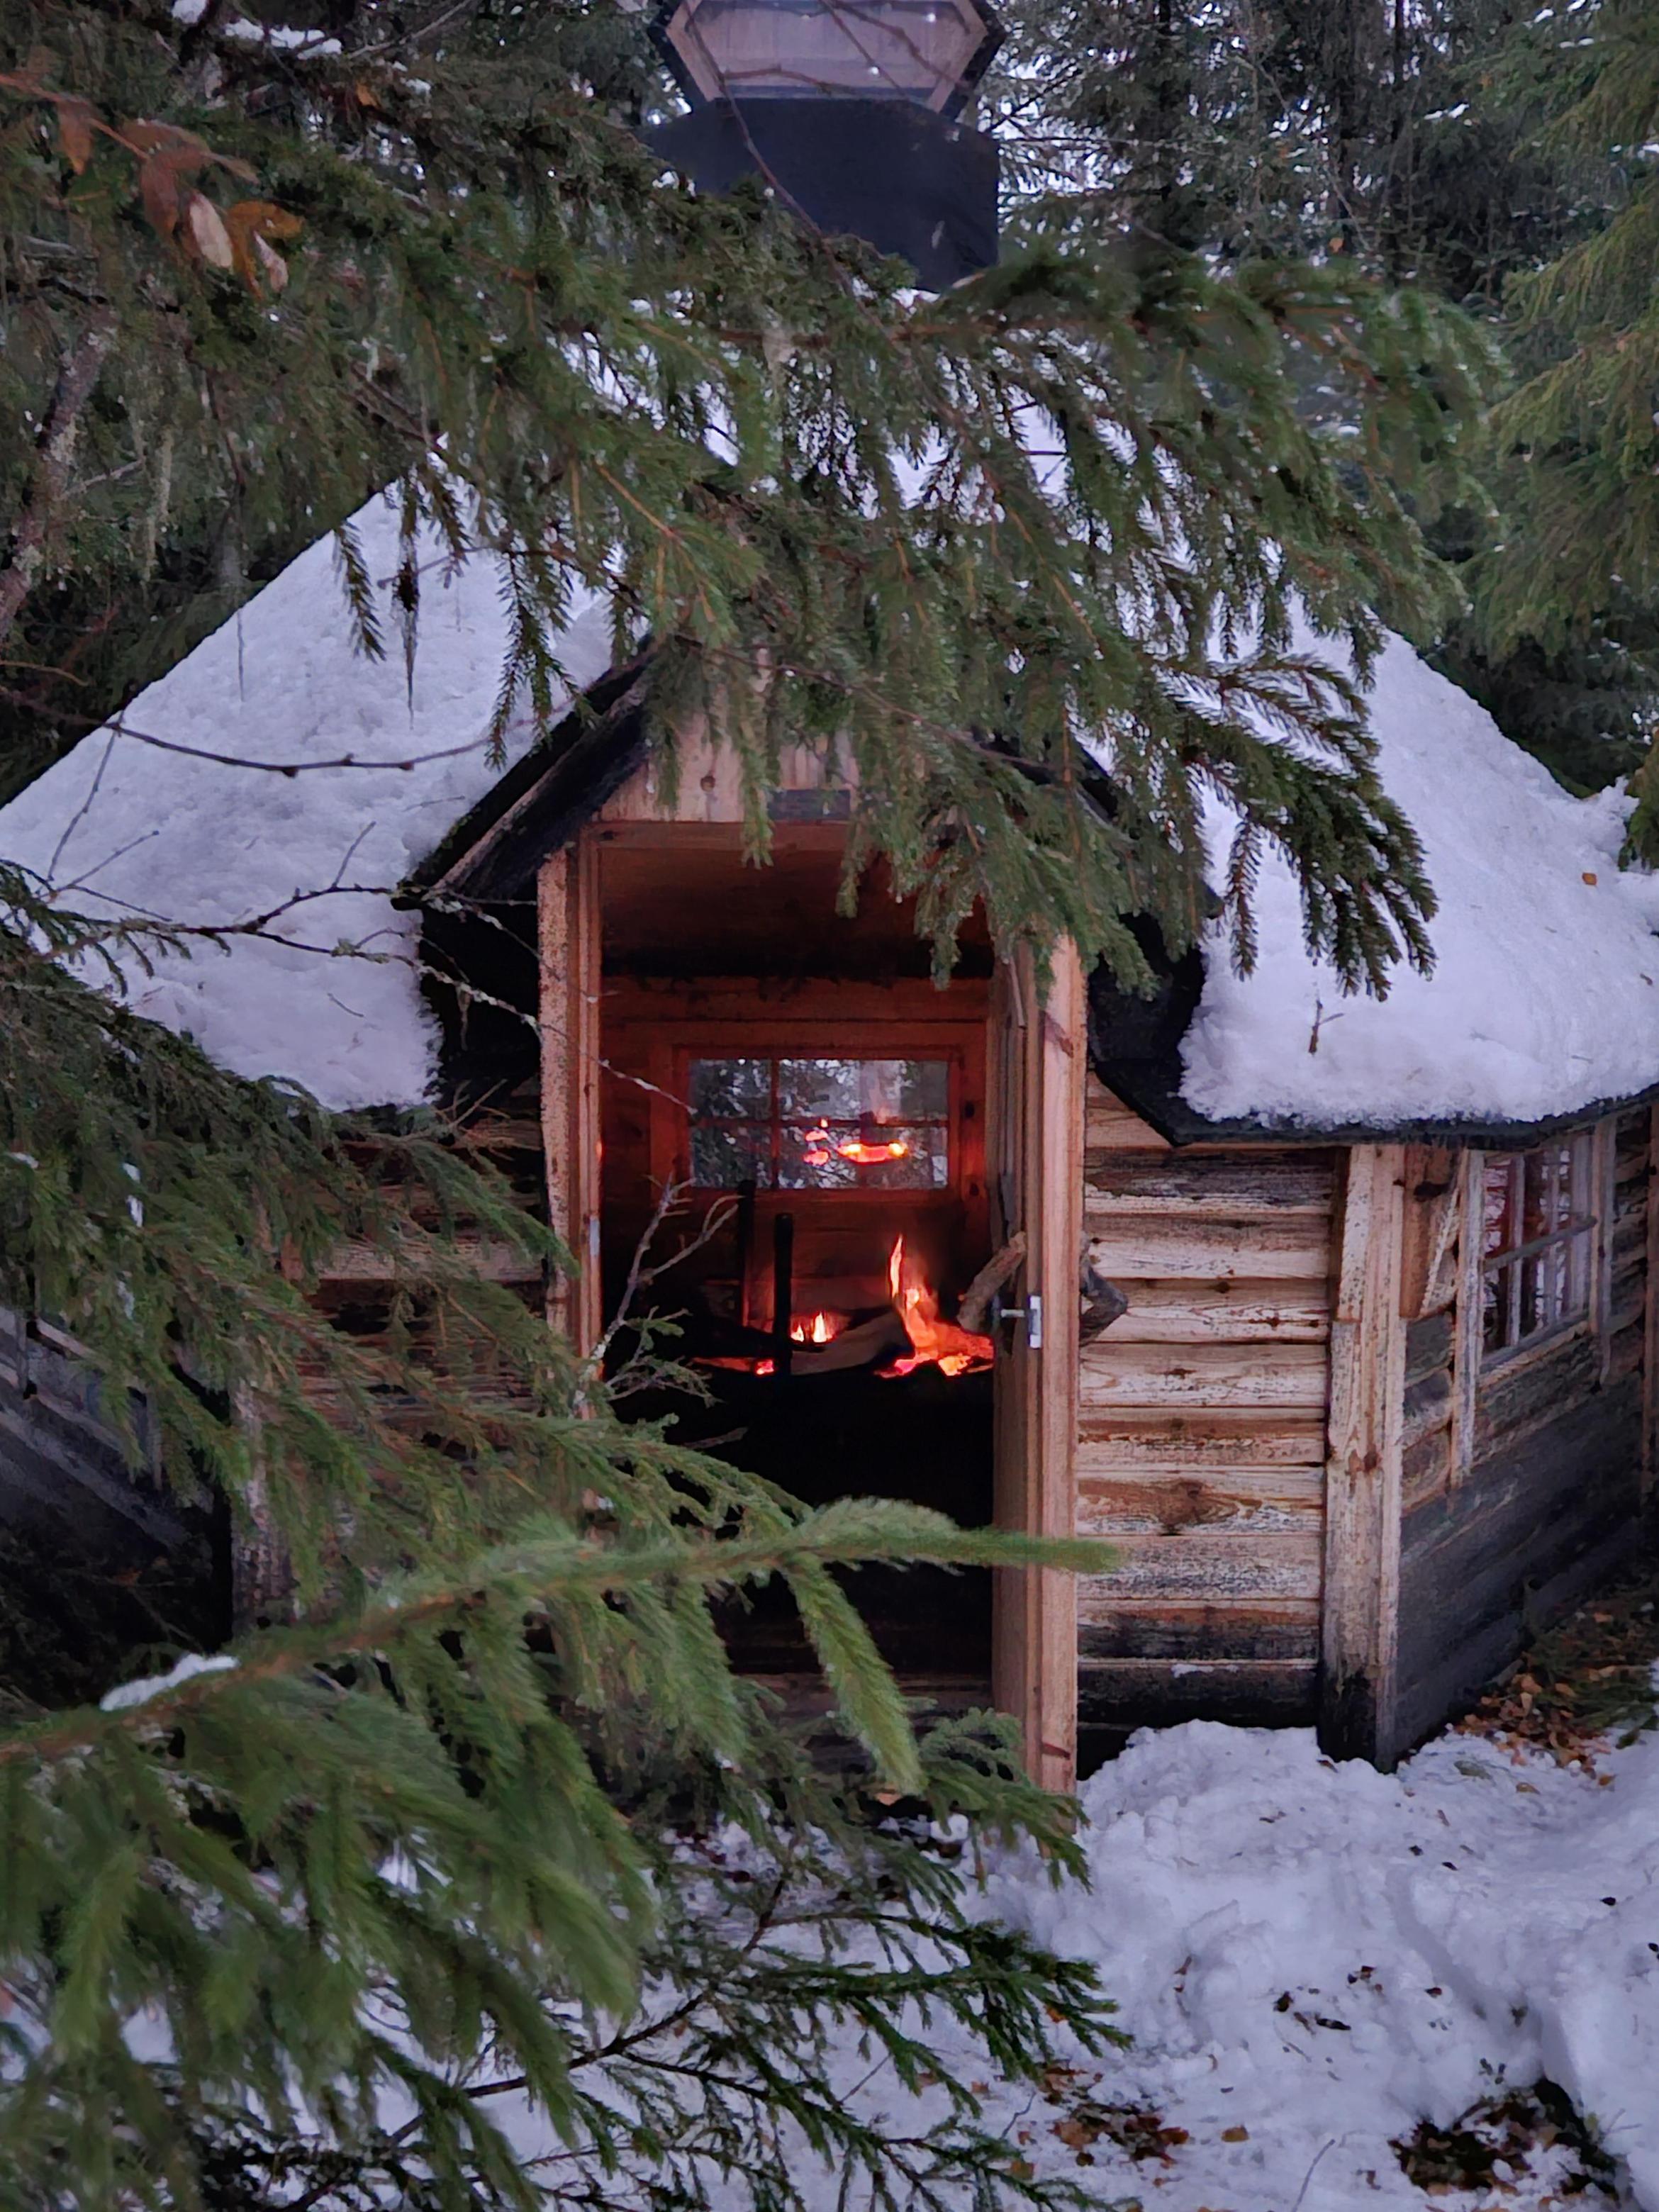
<point>120,826</point>
<point>1545,998</point>
<point>1545,993</point>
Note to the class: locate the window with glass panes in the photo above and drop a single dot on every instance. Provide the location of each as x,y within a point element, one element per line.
<point>820,1124</point>
<point>1539,1243</point>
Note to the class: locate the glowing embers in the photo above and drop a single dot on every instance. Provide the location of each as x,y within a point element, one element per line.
<point>932,1342</point>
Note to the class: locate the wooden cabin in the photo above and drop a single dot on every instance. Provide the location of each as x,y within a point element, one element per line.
<point>1331,1316</point>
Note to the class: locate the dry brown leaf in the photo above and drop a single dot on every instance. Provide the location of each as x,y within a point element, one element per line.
<point>272,263</point>
<point>1235,2135</point>
<point>206,232</point>
<point>158,187</point>
<point>75,118</point>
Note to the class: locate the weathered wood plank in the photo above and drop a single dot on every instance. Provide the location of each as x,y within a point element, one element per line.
<point>1531,1389</point>
<point>1153,1694</point>
<point>1225,1186</point>
<point>1235,1311</point>
<point>1201,1374</point>
<point>1120,1441</point>
<point>567,926</point>
<point>1428,1405</point>
<point>1214,1567</point>
<point>1242,1497</point>
<point>1296,1247</point>
<point>1110,1126</point>
<point>1425,1467</point>
<point>1428,1345</point>
<point>1131,1628</point>
<point>1494,1557</point>
<point>1362,1483</point>
<point>1037,1143</point>
<point>1429,1276</point>
<point>357,1261</point>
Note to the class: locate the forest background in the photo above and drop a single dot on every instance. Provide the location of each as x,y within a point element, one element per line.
<point>1354,304</point>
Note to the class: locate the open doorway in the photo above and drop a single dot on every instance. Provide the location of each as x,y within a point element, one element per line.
<point>822,1108</point>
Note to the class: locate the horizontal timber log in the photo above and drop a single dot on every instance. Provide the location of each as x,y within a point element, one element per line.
<point>1429,1404</point>
<point>1116,1441</point>
<point>1296,1247</point>
<point>1173,1498</point>
<point>1216,1568</point>
<point>1225,1188</point>
<point>1532,1389</point>
<point>1231,1311</point>
<point>1208,1375</point>
<point>1273,1628</point>
<point>1149,1693</point>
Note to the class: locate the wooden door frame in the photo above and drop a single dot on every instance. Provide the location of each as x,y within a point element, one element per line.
<point>1034,1617</point>
<point>568,928</point>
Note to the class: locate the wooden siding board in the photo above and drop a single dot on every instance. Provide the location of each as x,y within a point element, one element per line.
<point>1201,1428</point>
<point>1494,1557</point>
<point>1173,1634</point>
<point>1203,1374</point>
<point>1296,1247</point>
<point>1117,1439</point>
<point>1222,1186</point>
<point>1235,1310</point>
<point>1218,1566</point>
<point>1142,1694</point>
<point>1173,1499</point>
<point>1364,1477</point>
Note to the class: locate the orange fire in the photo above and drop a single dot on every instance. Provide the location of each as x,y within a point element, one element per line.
<point>818,1330</point>
<point>955,1350</point>
<point>823,1147</point>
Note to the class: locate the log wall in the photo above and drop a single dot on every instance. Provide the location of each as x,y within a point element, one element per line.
<point>1522,1479</point>
<point>1201,1429</point>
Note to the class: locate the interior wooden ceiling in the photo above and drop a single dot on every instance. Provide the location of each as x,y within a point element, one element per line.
<point>680,899</point>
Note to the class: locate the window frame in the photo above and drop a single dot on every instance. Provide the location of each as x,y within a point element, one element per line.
<point>1583,1228</point>
<point>775,1123</point>
<point>784,1045</point>
<point>792,1034</point>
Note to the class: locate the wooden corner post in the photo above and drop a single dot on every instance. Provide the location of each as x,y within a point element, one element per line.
<point>567,936</point>
<point>1042,1052</point>
<point>1361,1608</point>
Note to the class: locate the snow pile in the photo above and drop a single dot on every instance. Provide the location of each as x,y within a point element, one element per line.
<point>1545,996</point>
<point>126,1695</point>
<point>120,827</point>
<point>1312,1958</point>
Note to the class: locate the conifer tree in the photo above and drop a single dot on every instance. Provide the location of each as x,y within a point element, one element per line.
<point>1429,144</point>
<point>1577,573</point>
<point>1058,517</point>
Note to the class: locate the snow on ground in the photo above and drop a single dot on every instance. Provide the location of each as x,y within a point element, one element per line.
<point>1313,1958</point>
<point>1545,996</point>
<point>122,826</point>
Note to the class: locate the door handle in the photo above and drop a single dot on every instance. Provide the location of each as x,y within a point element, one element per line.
<point>1024,1313</point>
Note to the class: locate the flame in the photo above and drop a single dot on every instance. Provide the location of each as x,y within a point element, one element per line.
<point>954,1350</point>
<point>818,1330</point>
<point>822,1148</point>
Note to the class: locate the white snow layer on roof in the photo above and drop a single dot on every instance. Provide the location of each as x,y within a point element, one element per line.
<point>1544,994</point>
<point>120,827</point>
<point>1545,997</point>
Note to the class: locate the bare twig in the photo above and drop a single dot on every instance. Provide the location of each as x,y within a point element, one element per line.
<point>54,450</point>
